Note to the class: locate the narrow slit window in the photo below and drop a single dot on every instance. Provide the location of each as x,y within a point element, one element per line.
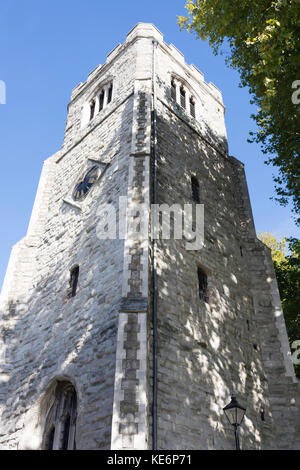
<point>74,281</point>
<point>202,283</point>
<point>101,100</point>
<point>182,97</point>
<point>110,90</point>
<point>92,109</point>
<point>173,90</point>
<point>192,107</point>
<point>195,189</point>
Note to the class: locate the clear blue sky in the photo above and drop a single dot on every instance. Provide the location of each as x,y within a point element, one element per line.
<point>49,47</point>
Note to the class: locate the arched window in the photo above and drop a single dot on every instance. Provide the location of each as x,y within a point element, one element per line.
<point>185,97</point>
<point>192,107</point>
<point>92,109</point>
<point>182,97</point>
<point>98,101</point>
<point>61,419</point>
<point>110,90</point>
<point>173,90</point>
<point>101,100</point>
<point>195,189</point>
<point>74,275</point>
<point>202,283</point>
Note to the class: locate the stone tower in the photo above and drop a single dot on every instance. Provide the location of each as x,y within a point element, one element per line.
<point>122,341</point>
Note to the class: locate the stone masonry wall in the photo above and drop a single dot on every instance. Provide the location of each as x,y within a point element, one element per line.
<point>206,350</point>
<point>75,339</point>
<point>284,389</point>
<point>130,424</point>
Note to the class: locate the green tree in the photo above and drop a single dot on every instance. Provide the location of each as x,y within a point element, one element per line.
<point>287,269</point>
<point>264,44</point>
<point>278,247</point>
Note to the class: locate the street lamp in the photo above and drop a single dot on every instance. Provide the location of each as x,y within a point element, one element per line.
<point>235,414</point>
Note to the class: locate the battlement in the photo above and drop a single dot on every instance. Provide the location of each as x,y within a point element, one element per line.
<point>148,30</point>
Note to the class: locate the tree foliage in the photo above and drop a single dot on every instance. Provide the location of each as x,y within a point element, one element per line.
<point>278,247</point>
<point>264,44</point>
<point>287,269</point>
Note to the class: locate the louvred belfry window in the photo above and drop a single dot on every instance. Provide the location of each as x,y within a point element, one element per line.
<point>101,100</point>
<point>92,109</point>
<point>182,97</point>
<point>173,90</point>
<point>192,107</point>
<point>110,90</point>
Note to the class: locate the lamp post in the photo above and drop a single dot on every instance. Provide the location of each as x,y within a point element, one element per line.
<point>235,414</point>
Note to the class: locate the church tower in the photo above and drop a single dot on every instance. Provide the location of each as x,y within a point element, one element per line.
<point>112,338</point>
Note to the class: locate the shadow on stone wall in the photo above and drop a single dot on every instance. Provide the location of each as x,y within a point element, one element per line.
<point>68,338</point>
<point>206,350</point>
